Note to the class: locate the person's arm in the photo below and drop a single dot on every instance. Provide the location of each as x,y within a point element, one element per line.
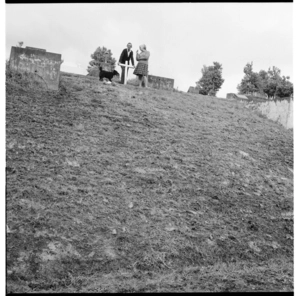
<point>131,57</point>
<point>137,55</point>
<point>121,56</point>
<point>144,56</point>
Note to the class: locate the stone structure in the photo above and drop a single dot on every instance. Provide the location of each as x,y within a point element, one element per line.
<point>193,90</point>
<point>160,82</point>
<point>35,60</point>
<point>252,98</point>
<point>257,95</point>
<point>236,96</point>
<point>280,110</point>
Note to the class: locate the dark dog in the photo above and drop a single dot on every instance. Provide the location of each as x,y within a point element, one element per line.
<point>108,75</point>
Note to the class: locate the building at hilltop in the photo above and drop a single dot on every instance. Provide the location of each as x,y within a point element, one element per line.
<point>45,65</point>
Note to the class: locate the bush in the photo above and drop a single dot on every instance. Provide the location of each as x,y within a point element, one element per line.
<point>94,71</point>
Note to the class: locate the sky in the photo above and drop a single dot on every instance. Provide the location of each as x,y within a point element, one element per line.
<point>181,37</point>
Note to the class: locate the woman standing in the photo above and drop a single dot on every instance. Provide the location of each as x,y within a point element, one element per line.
<point>141,69</point>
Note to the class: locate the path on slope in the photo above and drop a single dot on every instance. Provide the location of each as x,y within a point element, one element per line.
<point>117,189</point>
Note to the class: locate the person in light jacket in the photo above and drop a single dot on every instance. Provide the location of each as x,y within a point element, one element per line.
<point>125,57</point>
<point>141,69</point>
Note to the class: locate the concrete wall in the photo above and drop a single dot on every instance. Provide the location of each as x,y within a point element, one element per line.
<point>193,90</point>
<point>280,111</point>
<point>35,60</point>
<point>237,97</point>
<point>160,82</point>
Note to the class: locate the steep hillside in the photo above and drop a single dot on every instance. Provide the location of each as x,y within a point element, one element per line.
<point>112,188</point>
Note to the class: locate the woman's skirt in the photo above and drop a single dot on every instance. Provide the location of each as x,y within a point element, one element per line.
<point>141,69</point>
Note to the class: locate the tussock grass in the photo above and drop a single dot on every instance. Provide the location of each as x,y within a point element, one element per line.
<point>115,189</point>
<point>24,80</point>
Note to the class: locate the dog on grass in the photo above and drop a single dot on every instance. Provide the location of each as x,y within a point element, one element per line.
<point>108,75</point>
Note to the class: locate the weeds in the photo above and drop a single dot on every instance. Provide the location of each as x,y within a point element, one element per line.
<point>24,80</point>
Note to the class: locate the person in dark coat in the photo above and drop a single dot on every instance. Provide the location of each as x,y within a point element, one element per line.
<point>126,55</point>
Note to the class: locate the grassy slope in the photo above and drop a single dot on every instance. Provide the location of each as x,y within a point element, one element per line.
<point>114,189</point>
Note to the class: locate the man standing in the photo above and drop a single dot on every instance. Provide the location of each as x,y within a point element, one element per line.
<point>126,55</point>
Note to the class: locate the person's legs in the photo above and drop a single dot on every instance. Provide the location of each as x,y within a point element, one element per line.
<point>140,80</point>
<point>146,81</point>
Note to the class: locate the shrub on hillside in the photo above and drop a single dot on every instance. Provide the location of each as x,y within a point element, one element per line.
<point>265,83</point>
<point>211,81</point>
<point>101,55</point>
<point>94,71</point>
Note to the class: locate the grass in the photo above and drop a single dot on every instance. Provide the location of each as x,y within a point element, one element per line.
<point>111,188</point>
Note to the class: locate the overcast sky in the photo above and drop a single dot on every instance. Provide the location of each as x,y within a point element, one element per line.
<point>181,37</point>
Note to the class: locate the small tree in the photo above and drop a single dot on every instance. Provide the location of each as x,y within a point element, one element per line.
<point>211,80</point>
<point>101,55</point>
<point>285,88</point>
<point>274,85</point>
<point>263,76</point>
<point>251,83</point>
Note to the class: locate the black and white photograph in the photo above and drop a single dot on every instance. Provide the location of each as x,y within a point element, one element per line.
<point>149,147</point>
